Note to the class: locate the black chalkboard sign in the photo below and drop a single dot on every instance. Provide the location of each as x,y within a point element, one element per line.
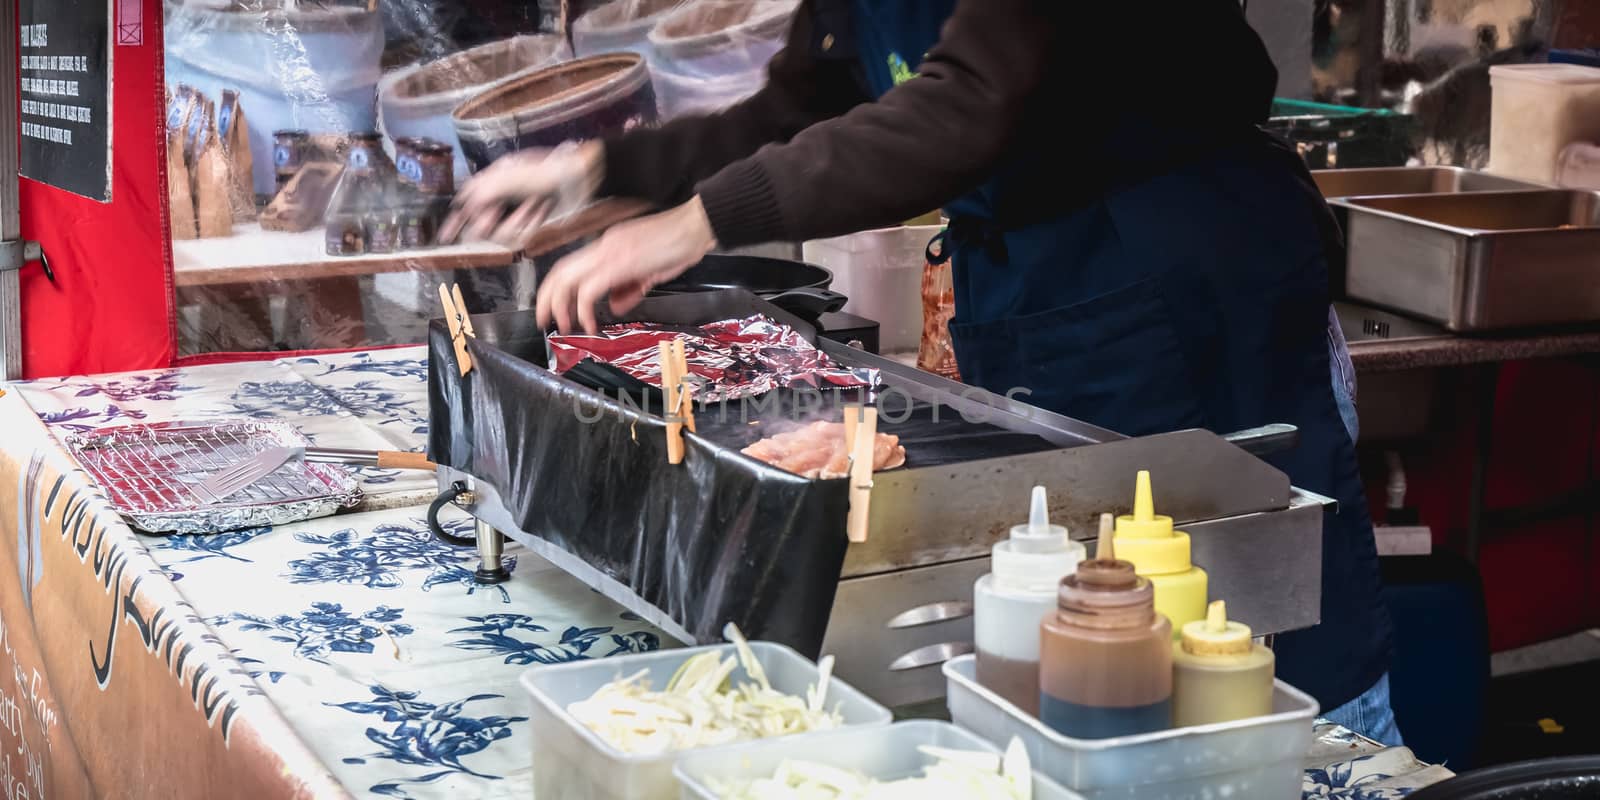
<point>66,95</point>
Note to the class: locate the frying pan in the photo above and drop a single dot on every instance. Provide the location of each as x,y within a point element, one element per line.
<point>798,288</point>
<point>1569,778</point>
<point>801,289</point>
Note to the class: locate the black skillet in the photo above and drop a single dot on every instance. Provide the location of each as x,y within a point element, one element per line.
<point>1568,778</point>
<point>798,288</point>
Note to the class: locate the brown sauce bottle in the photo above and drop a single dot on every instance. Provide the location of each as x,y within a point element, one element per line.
<point>1105,665</point>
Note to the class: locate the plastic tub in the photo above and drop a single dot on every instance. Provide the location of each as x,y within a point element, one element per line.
<point>713,53</point>
<point>620,26</point>
<point>881,272</point>
<point>571,763</point>
<point>1257,758</point>
<point>418,100</point>
<point>883,753</point>
<point>315,70</point>
<point>583,99</point>
<point>1538,110</point>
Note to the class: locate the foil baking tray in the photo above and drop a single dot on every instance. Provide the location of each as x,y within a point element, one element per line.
<point>151,474</point>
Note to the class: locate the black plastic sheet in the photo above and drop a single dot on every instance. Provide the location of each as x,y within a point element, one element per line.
<point>719,538</point>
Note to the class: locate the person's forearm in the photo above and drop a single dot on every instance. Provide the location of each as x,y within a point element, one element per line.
<point>663,164</point>
<point>921,145</point>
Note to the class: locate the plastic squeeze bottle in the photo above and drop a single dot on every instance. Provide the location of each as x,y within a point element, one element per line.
<point>1010,601</point>
<point>1105,656</point>
<point>1218,673</point>
<point>1162,554</point>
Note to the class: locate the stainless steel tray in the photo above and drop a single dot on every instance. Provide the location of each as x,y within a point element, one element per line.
<point>1478,261</point>
<point>1412,180</point>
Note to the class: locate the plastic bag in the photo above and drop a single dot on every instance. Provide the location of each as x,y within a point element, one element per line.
<point>713,53</point>
<point>480,78</point>
<point>308,74</point>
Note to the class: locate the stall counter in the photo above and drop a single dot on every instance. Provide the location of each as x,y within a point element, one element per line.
<point>346,656</point>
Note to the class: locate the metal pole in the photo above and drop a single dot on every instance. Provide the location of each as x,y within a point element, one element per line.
<point>1490,375</point>
<point>1374,21</point>
<point>10,217</point>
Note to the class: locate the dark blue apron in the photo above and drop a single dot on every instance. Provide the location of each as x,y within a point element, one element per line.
<point>1194,298</point>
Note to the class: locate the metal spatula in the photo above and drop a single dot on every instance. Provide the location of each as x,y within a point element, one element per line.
<point>226,482</point>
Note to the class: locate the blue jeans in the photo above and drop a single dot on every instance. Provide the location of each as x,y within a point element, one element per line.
<point>1370,715</point>
<point>1344,375</point>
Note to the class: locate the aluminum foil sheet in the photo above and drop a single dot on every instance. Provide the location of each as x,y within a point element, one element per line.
<point>728,360</point>
<point>150,474</point>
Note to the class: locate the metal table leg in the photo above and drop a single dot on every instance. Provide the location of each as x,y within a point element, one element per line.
<point>491,548</point>
<point>490,542</point>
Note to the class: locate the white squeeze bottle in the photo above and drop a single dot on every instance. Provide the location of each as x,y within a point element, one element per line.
<point>1010,601</point>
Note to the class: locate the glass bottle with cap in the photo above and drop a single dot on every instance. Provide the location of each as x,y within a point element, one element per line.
<point>1162,554</point>
<point>1010,601</point>
<point>1219,673</point>
<point>1105,656</point>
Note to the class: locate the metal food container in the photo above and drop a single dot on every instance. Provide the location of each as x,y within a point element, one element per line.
<point>1477,261</point>
<point>1412,180</point>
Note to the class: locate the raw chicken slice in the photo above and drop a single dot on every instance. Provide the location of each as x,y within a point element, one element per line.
<point>817,451</point>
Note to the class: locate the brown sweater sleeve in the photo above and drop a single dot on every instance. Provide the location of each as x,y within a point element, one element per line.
<point>663,164</point>
<point>922,144</point>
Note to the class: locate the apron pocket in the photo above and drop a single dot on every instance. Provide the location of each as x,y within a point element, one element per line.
<point>1113,360</point>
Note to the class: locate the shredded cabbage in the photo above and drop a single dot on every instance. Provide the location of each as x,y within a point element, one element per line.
<point>699,707</point>
<point>954,773</point>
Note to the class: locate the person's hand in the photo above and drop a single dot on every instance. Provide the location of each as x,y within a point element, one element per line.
<point>531,184</point>
<point>626,262</point>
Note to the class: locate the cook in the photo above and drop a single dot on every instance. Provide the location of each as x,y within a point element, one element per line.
<point>1126,243</point>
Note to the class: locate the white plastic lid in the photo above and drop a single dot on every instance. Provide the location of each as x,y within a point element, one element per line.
<point>1038,555</point>
<point>1546,73</point>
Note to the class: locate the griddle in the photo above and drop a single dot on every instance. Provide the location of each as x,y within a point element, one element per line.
<point>724,537</point>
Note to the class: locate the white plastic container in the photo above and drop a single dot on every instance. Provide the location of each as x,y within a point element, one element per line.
<point>1538,110</point>
<point>1009,602</point>
<point>571,763</point>
<point>1256,758</point>
<point>885,754</point>
<point>881,272</point>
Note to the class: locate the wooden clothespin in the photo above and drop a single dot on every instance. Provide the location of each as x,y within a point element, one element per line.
<point>455,316</point>
<point>678,407</point>
<point>860,437</point>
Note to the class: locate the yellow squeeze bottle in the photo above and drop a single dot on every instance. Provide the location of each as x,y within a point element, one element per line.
<point>1218,673</point>
<point>1162,554</point>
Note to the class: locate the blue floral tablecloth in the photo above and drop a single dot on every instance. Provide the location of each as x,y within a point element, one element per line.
<point>371,638</point>
<point>395,667</point>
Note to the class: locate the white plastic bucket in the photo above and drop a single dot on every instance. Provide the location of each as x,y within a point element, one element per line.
<point>881,272</point>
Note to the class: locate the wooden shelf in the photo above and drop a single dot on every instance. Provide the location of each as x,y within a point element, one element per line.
<point>252,255</point>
